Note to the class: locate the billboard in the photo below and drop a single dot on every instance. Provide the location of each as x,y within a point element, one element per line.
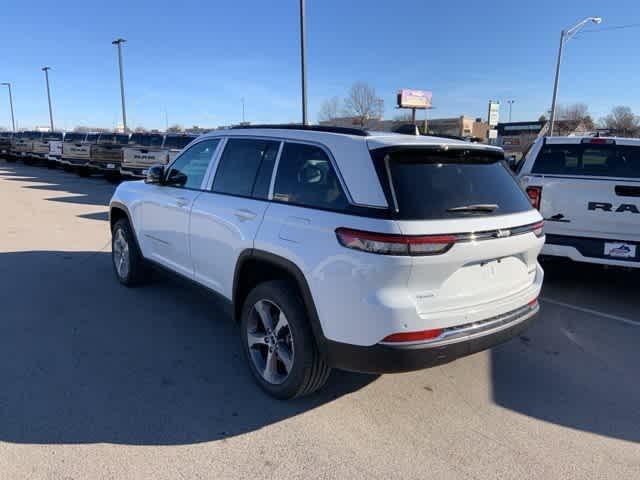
<point>420,99</point>
<point>494,113</point>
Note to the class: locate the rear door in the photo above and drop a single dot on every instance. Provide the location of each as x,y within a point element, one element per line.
<point>225,220</point>
<point>166,208</point>
<point>589,189</point>
<point>470,199</point>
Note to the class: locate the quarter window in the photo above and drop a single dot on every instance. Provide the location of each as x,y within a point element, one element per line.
<point>189,169</point>
<point>245,167</point>
<point>306,177</point>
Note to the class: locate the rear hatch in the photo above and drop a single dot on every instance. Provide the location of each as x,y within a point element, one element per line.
<point>466,200</point>
<point>23,144</point>
<point>41,146</point>
<point>144,150</point>
<point>107,153</point>
<point>55,148</point>
<point>589,189</point>
<point>78,146</point>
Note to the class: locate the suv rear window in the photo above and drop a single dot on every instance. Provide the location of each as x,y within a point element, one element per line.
<point>428,184</point>
<point>589,160</point>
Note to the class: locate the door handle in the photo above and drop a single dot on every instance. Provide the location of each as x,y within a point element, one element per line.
<point>182,201</point>
<point>243,214</point>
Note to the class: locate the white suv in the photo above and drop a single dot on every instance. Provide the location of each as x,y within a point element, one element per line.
<point>339,247</point>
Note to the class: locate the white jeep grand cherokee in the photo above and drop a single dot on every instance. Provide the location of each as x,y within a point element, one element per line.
<point>340,248</point>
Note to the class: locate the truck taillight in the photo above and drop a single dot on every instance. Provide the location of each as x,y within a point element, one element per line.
<point>535,196</point>
<point>391,244</point>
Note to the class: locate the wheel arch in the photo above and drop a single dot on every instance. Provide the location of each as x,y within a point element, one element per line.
<point>118,211</point>
<point>255,266</point>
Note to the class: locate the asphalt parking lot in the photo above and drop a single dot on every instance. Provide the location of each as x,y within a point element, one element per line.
<point>100,381</point>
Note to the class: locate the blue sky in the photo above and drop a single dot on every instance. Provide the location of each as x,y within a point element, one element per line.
<point>196,60</point>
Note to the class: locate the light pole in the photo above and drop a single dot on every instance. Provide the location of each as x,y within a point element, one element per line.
<point>242,109</point>
<point>46,76</point>
<point>510,102</point>
<point>118,42</point>
<point>303,65</point>
<point>13,120</point>
<point>564,36</point>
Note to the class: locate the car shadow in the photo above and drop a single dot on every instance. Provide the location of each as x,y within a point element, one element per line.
<point>74,189</point>
<point>575,368</point>
<point>85,360</point>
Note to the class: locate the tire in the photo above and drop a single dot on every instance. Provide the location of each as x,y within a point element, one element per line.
<point>293,341</point>
<point>128,264</point>
<point>83,171</point>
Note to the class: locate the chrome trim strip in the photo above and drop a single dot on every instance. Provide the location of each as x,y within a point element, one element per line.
<point>273,173</point>
<point>475,330</point>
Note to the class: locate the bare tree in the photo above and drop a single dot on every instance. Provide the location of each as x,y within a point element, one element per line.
<point>140,129</point>
<point>329,110</point>
<point>175,128</point>
<point>363,104</point>
<point>574,115</point>
<point>403,117</point>
<point>622,120</point>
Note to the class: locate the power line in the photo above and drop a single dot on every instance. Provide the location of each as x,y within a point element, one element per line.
<point>616,27</point>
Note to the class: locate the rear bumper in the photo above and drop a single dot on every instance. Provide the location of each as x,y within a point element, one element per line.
<point>387,358</point>
<point>75,162</point>
<point>587,250</point>
<point>134,172</point>
<point>106,167</point>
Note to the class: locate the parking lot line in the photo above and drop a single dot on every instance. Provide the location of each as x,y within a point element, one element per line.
<point>635,323</point>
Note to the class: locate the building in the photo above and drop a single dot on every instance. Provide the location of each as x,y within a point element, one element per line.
<point>515,138</point>
<point>462,126</point>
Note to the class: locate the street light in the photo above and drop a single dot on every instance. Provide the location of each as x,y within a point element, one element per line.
<point>303,65</point>
<point>510,102</point>
<point>46,76</point>
<point>13,120</point>
<point>118,42</point>
<point>564,36</point>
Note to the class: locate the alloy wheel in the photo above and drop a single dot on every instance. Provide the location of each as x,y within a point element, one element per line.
<point>121,254</point>
<point>270,342</point>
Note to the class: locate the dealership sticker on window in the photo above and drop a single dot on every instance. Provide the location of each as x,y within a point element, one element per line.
<point>620,250</point>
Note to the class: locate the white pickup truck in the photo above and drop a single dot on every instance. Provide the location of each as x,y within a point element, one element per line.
<point>588,191</point>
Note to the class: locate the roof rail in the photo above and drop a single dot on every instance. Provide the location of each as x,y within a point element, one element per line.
<point>313,128</point>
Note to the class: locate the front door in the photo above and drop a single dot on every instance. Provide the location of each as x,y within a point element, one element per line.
<point>166,208</point>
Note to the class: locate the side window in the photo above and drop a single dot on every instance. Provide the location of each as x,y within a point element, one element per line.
<point>189,169</point>
<point>245,167</point>
<point>306,177</point>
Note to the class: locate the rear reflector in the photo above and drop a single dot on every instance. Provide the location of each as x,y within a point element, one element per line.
<point>390,244</point>
<point>533,303</point>
<point>414,336</point>
<point>535,196</point>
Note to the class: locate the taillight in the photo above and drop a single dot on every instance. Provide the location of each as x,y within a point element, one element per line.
<point>414,336</point>
<point>538,229</point>
<point>535,196</point>
<point>390,244</point>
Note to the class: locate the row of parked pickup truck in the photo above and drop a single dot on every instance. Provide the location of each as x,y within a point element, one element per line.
<point>113,154</point>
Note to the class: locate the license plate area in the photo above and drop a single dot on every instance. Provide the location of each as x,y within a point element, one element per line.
<point>619,250</point>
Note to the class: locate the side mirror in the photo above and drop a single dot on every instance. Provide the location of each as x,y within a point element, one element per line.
<point>155,174</point>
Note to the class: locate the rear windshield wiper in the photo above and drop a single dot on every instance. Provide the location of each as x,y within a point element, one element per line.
<point>478,208</point>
